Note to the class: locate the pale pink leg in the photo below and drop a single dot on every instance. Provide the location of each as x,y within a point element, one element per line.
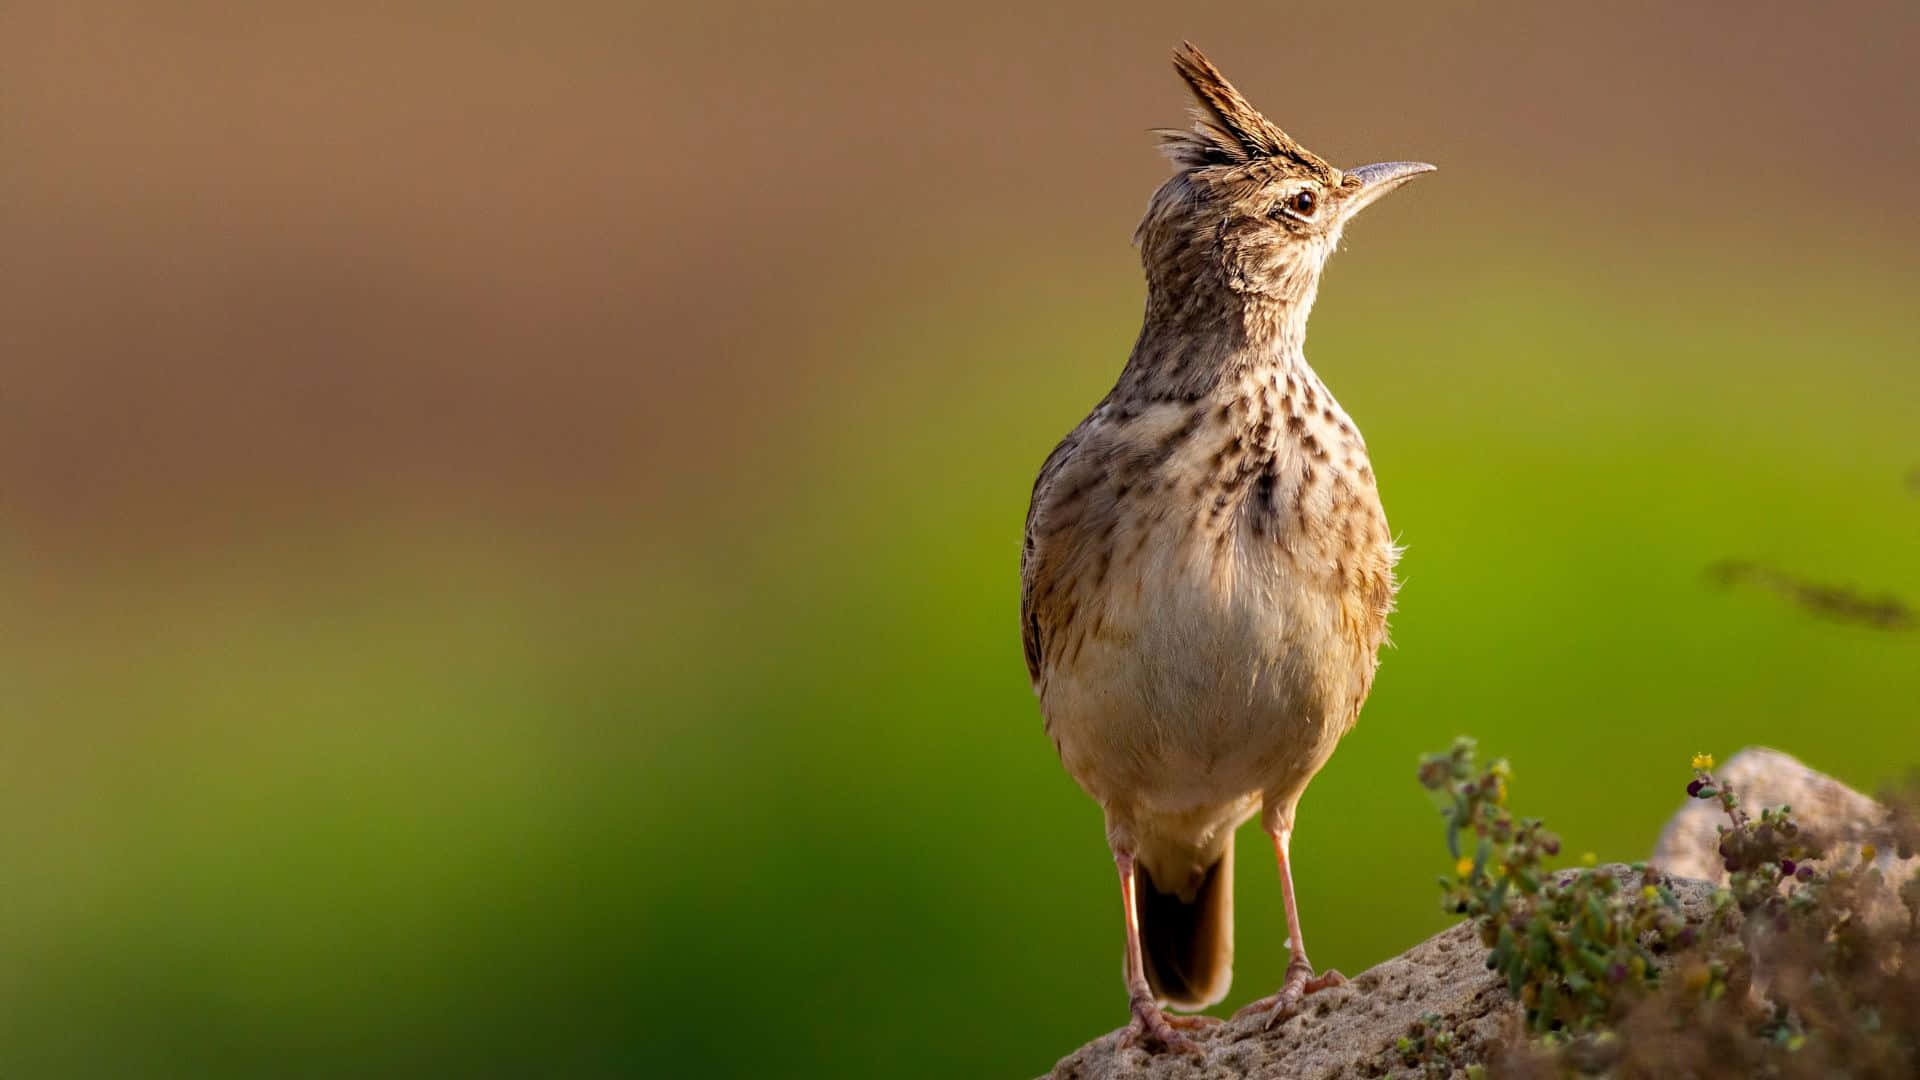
<point>1148,1019</point>
<point>1300,979</point>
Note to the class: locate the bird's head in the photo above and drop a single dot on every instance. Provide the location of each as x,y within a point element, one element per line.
<point>1249,210</point>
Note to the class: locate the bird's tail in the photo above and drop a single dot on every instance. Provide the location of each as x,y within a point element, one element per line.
<point>1188,944</point>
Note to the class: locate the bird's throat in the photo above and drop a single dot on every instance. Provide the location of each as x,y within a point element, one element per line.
<point>1194,349</point>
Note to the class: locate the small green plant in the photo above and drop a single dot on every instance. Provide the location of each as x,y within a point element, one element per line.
<point>1435,1050</point>
<point>1572,945</point>
<point>1768,862</point>
<point>1808,964</point>
<point>1825,953</point>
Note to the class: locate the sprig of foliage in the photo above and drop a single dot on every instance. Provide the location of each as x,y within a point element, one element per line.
<point>1573,945</point>
<point>1436,1051</point>
<point>1761,855</point>
<point>1808,965</point>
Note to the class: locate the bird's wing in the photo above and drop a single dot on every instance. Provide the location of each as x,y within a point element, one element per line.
<point>1035,567</point>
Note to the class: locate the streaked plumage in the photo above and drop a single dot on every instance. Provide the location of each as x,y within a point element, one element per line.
<point>1207,570</point>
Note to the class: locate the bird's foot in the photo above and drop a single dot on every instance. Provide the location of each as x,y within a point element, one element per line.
<point>1151,1025</point>
<point>1300,982</point>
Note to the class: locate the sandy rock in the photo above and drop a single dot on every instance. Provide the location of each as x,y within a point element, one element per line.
<point>1349,1031</point>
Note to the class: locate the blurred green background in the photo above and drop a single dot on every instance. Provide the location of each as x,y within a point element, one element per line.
<point>511,514</point>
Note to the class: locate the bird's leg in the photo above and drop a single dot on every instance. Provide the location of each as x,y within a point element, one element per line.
<point>1148,1019</point>
<point>1300,979</point>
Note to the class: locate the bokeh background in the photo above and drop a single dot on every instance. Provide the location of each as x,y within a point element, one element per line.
<point>511,513</point>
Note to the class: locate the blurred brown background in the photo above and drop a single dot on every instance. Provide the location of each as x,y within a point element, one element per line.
<point>263,257</point>
<point>511,512</point>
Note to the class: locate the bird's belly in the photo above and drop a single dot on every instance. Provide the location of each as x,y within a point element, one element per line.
<point>1216,683</point>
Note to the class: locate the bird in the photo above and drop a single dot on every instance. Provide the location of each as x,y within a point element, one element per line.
<point>1207,570</point>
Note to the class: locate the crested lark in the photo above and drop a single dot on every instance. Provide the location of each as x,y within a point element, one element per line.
<point>1207,570</point>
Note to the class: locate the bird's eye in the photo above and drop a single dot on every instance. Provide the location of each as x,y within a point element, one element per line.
<point>1302,203</point>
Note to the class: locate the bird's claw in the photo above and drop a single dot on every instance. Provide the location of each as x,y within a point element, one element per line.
<point>1283,1003</point>
<point>1151,1025</point>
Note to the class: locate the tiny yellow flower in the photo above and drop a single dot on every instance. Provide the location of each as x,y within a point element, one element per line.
<point>1463,867</point>
<point>1650,892</point>
<point>1703,761</point>
<point>1868,852</point>
<point>1500,794</point>
<point>1588,859</point>
<point>1499,869</point>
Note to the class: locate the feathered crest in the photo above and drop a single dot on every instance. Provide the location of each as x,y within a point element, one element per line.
<point>1228,132</point>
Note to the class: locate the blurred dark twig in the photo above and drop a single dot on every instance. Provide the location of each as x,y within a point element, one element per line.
<point>1884,612</point>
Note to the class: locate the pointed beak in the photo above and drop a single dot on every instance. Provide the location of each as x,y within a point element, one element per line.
<point>1377,180</point>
